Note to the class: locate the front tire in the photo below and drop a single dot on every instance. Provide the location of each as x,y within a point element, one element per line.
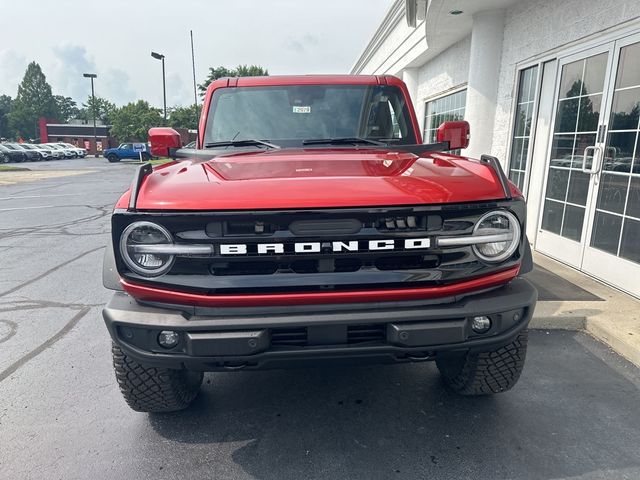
<point>485,373</point>
<point>113,158</point>
<point>151,389</point>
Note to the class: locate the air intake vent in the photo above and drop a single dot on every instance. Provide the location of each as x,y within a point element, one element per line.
<point>289,337</point>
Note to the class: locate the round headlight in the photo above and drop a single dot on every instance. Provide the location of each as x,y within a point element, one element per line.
<point>502,230</point>
<point>132,248</point>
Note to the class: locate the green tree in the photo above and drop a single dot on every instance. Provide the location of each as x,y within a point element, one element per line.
<point>133,121</point>
<point>5,108</point>
<point>239,71</point>
<point>104,110</point>
<point>34,100</point>
<point>184,117</point>
<point>67,108</point>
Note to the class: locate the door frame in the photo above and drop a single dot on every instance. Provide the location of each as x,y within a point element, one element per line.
<point>553,245</point>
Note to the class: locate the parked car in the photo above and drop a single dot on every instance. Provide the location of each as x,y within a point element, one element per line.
<point>127,150</point>
<point>44,154</point>
<point>54,154</point>
<point>15,155</point>
<point>30,155</point>
<point>325,232</point>
<point>66,152</point>
<point>80,152</point>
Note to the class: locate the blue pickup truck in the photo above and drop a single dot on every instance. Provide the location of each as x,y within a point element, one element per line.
<point>127,150</point>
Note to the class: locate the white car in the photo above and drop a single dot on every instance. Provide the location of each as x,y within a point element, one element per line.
<point>67,152</point>
<point>52,153</point>
<point>80,152</point>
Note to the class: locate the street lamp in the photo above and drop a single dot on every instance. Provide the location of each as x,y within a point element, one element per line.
<point>93,101</point>
<point>159,56</point>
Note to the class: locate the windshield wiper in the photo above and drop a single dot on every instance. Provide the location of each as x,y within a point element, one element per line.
<point>241,143</point>
<point>342,141</point>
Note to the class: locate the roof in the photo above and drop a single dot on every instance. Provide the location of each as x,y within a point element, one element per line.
<point>306,80</point>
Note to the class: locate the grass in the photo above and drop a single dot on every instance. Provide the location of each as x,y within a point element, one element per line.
<point>160,161</point>
<point>11,168</point>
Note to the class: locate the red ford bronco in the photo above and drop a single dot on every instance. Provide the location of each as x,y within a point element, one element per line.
<point>310,224</point>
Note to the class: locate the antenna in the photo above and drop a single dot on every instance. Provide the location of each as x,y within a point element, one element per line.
<point>195,91</point>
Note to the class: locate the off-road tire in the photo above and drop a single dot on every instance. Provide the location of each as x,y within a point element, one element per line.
<point>151,389</point>
<point>485,373</point>
<point>113,158</point>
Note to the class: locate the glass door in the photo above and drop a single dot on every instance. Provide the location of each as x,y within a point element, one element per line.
<point>612,250</point>
<point>575,152</point>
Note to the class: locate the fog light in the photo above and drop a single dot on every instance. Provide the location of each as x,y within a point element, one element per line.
<point>168,338</point>
<point>481,324</point>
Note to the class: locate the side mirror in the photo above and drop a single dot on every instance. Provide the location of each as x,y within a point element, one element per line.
<point>456,133</point>
<point>162,140</point>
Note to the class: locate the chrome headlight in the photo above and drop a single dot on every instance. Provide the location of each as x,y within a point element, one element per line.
<point>502,232</point>
<point>136,248</point>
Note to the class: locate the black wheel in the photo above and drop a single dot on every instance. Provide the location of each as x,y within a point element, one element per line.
<point>151,389</point>
<point>485,373</point>
<point>113,158</point>
<point>145,157</point>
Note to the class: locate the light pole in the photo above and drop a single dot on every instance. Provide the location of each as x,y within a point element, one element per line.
<point>159,56</point>
<point>93,105</point>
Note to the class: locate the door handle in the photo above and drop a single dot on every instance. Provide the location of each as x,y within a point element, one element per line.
<point>595,162</point>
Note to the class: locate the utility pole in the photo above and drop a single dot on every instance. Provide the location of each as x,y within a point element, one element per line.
<point>93,105</point>
<point>195,90</point>
<point>159,56</point>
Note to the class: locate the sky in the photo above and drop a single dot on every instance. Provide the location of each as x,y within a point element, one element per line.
<point>114,38</point>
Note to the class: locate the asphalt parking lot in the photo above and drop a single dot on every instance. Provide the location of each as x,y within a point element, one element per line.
<point>574,415</point>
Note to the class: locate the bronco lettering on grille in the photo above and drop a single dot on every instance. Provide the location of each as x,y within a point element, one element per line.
<point>324,247</point>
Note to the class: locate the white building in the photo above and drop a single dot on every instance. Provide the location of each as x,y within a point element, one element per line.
<point>551,88</point>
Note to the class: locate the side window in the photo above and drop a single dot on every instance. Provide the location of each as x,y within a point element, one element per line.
<point>522,131</point>
<point>443,109</point>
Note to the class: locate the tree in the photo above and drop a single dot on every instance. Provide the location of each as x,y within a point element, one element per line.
<point>5,108</point>
<point>133,121</point>
<point>240,71</point>
<point>34,100</point>
<point>104,110</point>
<point>67,108</point>
<point>184,117</point>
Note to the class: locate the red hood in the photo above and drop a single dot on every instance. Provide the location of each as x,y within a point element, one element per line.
<point>311,178</point>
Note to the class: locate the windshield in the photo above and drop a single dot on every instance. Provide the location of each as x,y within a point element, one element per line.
<point>288,115</point>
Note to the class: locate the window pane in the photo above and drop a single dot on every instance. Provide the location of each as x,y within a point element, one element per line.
<point>626,109</point>
<point>443,110</point>
<point>557,184</point>
<point>552,217</point>
<point>594,74</point>
<point>619,152</point>
<point>606,232</point>
<point>578,187</point>
<point>589,113</point>
<point>571,79</point>
<point>629,67</point>
<point>572,226</point>
<point>633,203</point>
<point>562,150</point>
<point>630,246</point>
<point>613,192</point>
<point>567,116</point>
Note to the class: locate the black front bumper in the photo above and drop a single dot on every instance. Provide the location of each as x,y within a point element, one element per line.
<point>273,337</point>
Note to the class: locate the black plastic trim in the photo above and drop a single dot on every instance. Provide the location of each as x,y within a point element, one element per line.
<point>504,181</point>
<point>141,172</point>
<point>123,313</point>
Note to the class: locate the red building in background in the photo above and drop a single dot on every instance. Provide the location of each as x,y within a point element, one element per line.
<point>80,135</point>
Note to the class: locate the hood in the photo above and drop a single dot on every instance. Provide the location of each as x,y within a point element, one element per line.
<point>316,178</point>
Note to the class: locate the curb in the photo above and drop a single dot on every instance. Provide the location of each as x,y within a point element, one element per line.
<point>615,320</point>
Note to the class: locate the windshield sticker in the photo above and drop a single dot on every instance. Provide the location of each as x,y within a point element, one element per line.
<point>299,109</point>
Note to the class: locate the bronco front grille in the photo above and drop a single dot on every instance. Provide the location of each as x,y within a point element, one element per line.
<point>322,267</point>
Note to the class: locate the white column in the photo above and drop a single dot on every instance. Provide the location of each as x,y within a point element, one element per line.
<point>410,78</point>
<point>484,70</point>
